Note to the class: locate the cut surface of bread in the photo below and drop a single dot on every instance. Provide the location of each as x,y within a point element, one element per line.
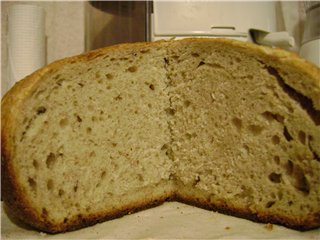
<point>219,124</point>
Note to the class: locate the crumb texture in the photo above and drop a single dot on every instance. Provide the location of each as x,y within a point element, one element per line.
<point>205,122</point>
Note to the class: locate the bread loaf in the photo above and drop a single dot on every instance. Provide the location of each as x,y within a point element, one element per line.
<point>219,124</point>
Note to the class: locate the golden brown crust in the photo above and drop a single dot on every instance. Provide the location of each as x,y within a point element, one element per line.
<point>11,104</point>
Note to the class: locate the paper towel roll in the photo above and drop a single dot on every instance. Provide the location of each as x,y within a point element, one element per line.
<point>25,41</point>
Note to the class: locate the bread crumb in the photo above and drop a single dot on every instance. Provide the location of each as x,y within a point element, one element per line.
<point>43,234</point>
<point>269,226</point>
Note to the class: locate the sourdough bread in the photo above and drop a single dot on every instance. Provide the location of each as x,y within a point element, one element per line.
<point>219,124</point>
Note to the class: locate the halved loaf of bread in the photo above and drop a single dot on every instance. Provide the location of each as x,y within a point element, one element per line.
<point>220,124</point>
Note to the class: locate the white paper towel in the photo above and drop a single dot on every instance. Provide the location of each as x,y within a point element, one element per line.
<point>25,41</point>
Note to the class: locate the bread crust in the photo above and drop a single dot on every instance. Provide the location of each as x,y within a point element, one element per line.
<point>12,102</point>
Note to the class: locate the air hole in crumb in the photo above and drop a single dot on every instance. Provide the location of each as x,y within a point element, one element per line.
<point>194,54</point>
<point>201,63</point>
<point>186,103</point>
<point>61,192</point>
<point>98,75</point>
<point>275,177</point>
<point>132,69</point>
<point>79,119</point>
<point>65,220</point>
<point>140,178</point>
<point>89,129</point>
<point>64,122</point>
<point>301,182</point>
<point>237,122</point>
<point>35,164</point>
<point>109,87</point>
<point>270,204</point>
<point>164,147</point>
<point>103,175</point>
<point>118,98</point>
<point>151,86</point>
<point>289,167</point>
<point>50,161</point>
<point>276,159</point>
<point>286,134</point>
<point>238,59</point>
<point>170,111</point>
<point>50,184</point>
<point>149,105</point>
<point>275,140</point>
<point>41,110</point>
<point>32,183</point>
<point>302,137</point>
<point>92,154</point>
<point>255,129</point>
<point>273,116</point>
<point>109,76</point>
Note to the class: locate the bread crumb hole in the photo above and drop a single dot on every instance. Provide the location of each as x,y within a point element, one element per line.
<point>276,159</point>
<point>194,54</point>
<point>64,122</point>
<point>275,140</point>
<point>255,129</point>
<point>186,103</point>
<point>65,220</point>
<point>109,76</point>
<point>103,175</point>
<point>50,184</point>
<point>151,86</point>
<point>302,137</point>
<point>289,167</point>
<point>61,192</point>
<point>273,116</point>
<point>32,184</point>
<point>35,164</point>
<point>275,177</point>
<point>79,119</point>
<point>201,63</point>
<point>132,69</point>
<point>270,204</point>
<point>237,122</point>
<point>51,159</point>
<point>170,111</point>
<point>140,178</point>
<point>286,134</point>
<point>89,129</point>
<point>41,110</point>
<point>301,182</point>
<point>92,154</point>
